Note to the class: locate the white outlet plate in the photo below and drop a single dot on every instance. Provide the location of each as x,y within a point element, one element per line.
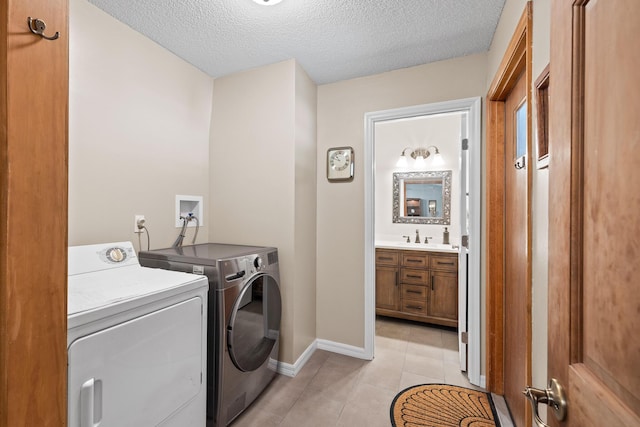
<point>135,223</point>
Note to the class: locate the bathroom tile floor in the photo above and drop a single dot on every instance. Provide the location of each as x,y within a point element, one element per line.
<point>337,390</point>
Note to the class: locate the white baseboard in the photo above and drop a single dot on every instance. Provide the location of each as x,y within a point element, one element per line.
<point>291,370</point>
<point>483,381</point>
<point>345,349</point>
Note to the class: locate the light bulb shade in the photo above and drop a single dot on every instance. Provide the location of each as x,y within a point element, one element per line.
<point>420,163</point>
<point>437,159</point>
<point>402,162</point>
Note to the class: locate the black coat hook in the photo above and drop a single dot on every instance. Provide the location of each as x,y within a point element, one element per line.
<point>37,26</point>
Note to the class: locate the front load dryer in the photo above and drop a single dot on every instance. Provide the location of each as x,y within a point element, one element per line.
<point>244,319</point>
<point>135,340</point>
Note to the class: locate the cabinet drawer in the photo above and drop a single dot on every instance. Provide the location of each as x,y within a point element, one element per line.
<point>414,292</point>
<point>447,263</point>
<point>420,277</point>
<point>386,257</point>
<point>415,307</point>
<point>415,261</point>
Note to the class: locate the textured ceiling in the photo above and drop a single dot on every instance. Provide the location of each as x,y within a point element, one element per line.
<point>332,39</point>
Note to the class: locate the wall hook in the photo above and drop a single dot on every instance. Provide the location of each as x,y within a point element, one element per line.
<point>37,26</point>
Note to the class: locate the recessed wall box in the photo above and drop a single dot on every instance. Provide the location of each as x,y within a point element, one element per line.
<point>189,204</point>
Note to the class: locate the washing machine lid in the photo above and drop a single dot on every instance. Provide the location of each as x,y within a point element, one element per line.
<point>104,281</point>
<point>204,254</point>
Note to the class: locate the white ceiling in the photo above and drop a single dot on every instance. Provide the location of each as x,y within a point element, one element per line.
<point>331,39</point>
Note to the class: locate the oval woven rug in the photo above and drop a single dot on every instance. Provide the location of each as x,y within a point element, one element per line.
<point>441,405</point>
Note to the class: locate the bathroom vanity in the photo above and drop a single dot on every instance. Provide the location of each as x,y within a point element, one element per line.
<point>419,285</point>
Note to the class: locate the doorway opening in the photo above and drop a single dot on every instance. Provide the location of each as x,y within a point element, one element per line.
<point>464,218</point>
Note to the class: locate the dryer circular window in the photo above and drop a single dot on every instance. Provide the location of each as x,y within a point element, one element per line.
<point>254,324</point>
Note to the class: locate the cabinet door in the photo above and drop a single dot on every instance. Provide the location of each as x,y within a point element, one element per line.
<point>443,298</point>
<point>387,288</point>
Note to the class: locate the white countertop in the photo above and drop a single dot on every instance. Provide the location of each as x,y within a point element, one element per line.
<point>434,247</point>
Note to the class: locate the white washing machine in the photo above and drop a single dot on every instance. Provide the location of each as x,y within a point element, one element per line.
<point>136,341</point>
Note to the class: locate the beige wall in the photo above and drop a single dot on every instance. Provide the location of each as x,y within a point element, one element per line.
<point>391,137</point>
<point>540,193</point>
<point>262,157</point>
<point>341,109</point>
<point>305,212</point>
<point>138,131</point>
<point>541,55</point>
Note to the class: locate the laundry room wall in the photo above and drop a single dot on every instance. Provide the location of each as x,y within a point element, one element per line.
<point>341,110</point>
<point>304,304</point>
<point>139,120</point>
<point>263,148</point>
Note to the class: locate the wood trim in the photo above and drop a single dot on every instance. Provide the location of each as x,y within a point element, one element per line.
<point>495,246</point>
<point>514,60</point>
<point>517,59</point>
<point>4,209</point>
<point>577,166</point>
<point>33,215</point>
<point>542,113</point>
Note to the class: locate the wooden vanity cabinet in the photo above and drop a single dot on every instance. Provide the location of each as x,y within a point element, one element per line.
<point>444,287</point>
<point>417,285</point>
<point>387,283</point>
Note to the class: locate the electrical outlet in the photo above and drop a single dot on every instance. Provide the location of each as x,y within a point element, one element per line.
<point>138,223</point>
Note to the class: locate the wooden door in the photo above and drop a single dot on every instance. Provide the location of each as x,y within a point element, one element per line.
<point>594,254</point>
<point>387,288</point>
<point>33,214</point>
<point>516,307</point>
<point>443,296</point>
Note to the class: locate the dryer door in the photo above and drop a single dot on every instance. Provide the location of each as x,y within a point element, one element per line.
<point>140,372</point>
<point>254,325</point>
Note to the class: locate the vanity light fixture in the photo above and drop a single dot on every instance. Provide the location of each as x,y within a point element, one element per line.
<point>420,155</point>
<point>402,161</point>
<point>267,2</point>
<point>437,157</point>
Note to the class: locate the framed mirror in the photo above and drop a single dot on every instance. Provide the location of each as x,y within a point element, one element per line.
<point>422,197</point>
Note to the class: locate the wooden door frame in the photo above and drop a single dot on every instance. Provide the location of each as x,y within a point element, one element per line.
<point>516,60</point>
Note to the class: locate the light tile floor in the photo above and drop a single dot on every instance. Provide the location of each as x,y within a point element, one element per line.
<point>336,390</point>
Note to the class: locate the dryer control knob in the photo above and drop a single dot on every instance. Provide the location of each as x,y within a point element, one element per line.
<point>257,263</point>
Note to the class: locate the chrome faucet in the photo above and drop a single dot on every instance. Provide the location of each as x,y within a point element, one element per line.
<point>417,236</point>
